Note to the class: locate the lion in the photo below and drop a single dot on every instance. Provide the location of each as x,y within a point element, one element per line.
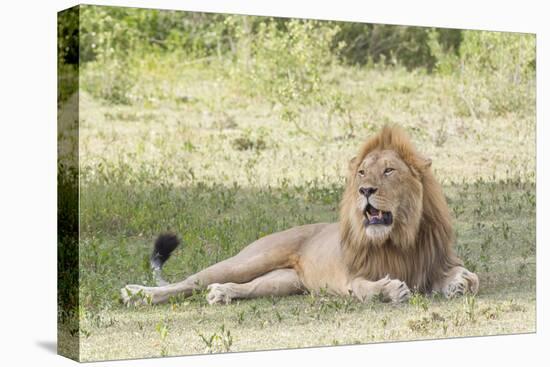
<point>394,236</point>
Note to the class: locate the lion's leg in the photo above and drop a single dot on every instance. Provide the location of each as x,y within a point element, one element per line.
<point>458,281</point>
<point>388,289</point>
<point>237,269</point>
<point>281,282</point>
<point>276,251</point>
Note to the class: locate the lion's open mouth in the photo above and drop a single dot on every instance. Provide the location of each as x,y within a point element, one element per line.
<point>377,216</point>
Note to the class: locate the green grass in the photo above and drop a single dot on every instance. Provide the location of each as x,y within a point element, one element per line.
<point>222,168</point>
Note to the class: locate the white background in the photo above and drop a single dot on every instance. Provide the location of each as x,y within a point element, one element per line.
<point>28,181</point>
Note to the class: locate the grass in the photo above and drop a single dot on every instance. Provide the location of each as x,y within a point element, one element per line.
<point>294,322</point>
<point>222,169</point>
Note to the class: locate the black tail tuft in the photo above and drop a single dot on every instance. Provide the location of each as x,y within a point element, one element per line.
<point>164,246</point>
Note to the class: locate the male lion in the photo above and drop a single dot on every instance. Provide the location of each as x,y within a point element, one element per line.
<point>394,234</point>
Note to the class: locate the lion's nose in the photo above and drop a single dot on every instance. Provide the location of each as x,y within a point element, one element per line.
<point>367,191</point>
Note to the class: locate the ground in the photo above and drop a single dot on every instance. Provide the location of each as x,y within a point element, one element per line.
<point>222,169</point>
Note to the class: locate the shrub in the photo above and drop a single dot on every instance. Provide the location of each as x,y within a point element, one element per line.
<point>390,44</point>
<point>497,73</point>
<point>284,59</point>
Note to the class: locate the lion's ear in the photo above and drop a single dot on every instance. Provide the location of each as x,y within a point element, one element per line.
<point>426,162</point>
<point>421,165</point>
<point>351,164</point>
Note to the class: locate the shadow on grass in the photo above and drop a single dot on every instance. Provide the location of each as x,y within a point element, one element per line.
<point>494,222</point>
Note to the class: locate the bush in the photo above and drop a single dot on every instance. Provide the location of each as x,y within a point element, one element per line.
<point>497,73</point>
<point>288,61</point>
<point>111,80</point>
<point>284,59</point>
<point>390,44</point>
<point>114,40</point>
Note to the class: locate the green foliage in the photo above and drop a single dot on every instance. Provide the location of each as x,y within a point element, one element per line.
<point>68,36</point>
<point>495,72</point>
<point>246,143</point>
<point>419,301</point>
<point>498,72</point>
<point>362,43</point>
<point>285,61</point>
<point>470,307</point>
<point>67,53</point>
<point>114,41</point>
<point>220,341</point>
<point>198,35</point>
<point>446,60</point>
<point>162,330</point>
<point>105,30</point>
<point>111,79</point>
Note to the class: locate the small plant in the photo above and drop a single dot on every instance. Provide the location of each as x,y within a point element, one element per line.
<point>322,302</point>
<point>506,229</point>
<point>296,311</point>
<point>470,307</point>
<point>458,319</point>
<point>491,313</point>
<point>162,330</point>
<point>441,136</point>
<point>522,269</point>
<point>240,317</point>
<point>384,321</point>
<point>512,306</point>
<point>219,341</point>
<point>139,298</point>
<point>423,324</point>
<point>198,297</point>
<point>419,325</point>
<point>85,333</point>
<point>254,310</point>
<point>465,253</point>
<point>437,317</point>
<point>484,255</point>
<point>247,143</point>
<point>102,320</point>
<point>458,209</point>
<point>419,301</point>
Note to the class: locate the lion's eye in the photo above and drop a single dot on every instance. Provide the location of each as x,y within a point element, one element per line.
<point>388,171</point>
<point>361,172</point>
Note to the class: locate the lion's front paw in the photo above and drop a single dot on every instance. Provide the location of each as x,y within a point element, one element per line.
<point>219,293</point>
<point>463,282</point>
<point>135,295</point>
<point>395,290</point>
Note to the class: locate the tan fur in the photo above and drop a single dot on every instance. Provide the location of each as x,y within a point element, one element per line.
<point>415,251</point>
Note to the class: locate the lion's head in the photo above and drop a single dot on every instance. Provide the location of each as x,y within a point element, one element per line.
<point>394,218</point>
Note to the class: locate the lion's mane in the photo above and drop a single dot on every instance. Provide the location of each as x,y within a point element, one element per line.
<point>419,250</point>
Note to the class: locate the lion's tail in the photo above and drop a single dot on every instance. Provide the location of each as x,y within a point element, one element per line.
<point>165,244</point>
